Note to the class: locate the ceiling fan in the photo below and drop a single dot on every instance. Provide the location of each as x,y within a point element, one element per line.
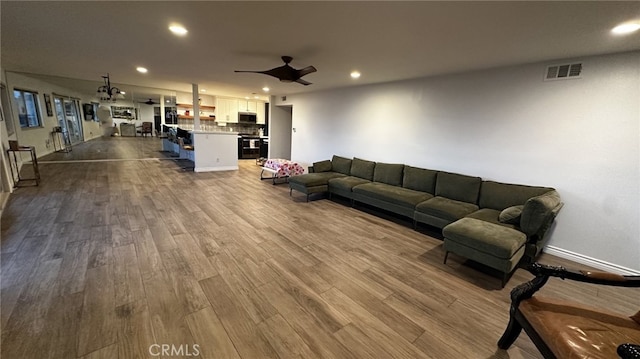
<point>150,102</point>
<point>286,73</point>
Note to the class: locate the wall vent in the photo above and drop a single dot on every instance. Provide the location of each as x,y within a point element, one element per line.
<point>563,72</point>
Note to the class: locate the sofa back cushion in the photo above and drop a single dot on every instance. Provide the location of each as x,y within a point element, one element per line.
<point>498,196</point>
<point>458,187</point>
<point>362,168</point>
<point>419,179</point>
<point>341,165</point>
<point>389,173</point>
<point>322,166</point>
<point>538,213</point>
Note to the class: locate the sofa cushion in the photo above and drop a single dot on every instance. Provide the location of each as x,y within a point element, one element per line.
<point>499,196</point>
<point>314,179</point>
<point>538,212</point>
<point>362,168</point>
<point>392,194</point>
<point>419,179</point>
<point>511,215</point>
<point>445,208</point>
<point>458,187</point>
<point>322,166</point>
<point>388,173</point>
<point>345,183</point>
<point>485,237</point>
<point>341,165</point>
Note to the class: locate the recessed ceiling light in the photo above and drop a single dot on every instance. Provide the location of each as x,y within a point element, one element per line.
<point>355,74</point>
<point>246,97</point>
<point>178,29</point>
<point>265,89</point>
<point>141,69</point>
<point>626,28</point>
<point>203,90</point>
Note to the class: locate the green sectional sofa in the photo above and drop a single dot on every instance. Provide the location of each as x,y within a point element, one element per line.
<point>496,224</point>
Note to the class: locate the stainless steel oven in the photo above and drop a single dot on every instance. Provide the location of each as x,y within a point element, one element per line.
<point>248,146</point>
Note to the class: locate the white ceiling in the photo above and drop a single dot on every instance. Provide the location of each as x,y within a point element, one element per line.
<point>386,41</point>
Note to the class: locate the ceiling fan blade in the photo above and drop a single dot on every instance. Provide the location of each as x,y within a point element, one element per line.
<point>283,73</point>
<point>307,70</point>
<point>286,73</point>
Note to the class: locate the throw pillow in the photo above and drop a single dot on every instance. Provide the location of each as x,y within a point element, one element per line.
<point>511,215</point>
<point>322,166</point>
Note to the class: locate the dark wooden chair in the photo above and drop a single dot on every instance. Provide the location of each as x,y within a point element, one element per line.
<point>566,329</point>
<point>145,129</point>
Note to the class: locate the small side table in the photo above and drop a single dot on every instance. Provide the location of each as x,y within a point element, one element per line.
<point>34,163</point>
<point>62,139</point>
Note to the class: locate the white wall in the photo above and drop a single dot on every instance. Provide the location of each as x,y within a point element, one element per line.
<point>581,136</point>
<point>40,137</point>
<point>280,122</point>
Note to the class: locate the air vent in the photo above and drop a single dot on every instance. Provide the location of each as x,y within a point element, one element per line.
<point>563,72</point>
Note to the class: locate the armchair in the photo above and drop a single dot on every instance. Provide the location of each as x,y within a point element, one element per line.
<point>565,329</point>
<point>145,129</point>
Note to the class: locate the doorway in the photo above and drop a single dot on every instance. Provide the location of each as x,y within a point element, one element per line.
<point>68,113</point>
<point>280,132</point>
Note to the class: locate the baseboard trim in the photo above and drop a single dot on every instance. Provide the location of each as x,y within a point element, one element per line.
<point>212,169</point>
<point>586,260</point>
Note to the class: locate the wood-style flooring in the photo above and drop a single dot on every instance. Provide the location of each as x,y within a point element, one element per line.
<point>114,259</point>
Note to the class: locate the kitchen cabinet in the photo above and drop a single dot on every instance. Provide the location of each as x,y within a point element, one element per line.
<point>245,105</point>
<point>227,110</point>
<point>260,112</point>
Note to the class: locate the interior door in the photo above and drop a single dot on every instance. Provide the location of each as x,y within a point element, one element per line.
<point>68,113</point>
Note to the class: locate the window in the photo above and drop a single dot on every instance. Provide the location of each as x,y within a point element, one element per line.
<point>27,105</point>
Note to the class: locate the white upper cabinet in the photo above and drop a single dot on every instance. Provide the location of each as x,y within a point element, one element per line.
<point>260,113</point>
<point>227,110</point>
<point>245,105</point>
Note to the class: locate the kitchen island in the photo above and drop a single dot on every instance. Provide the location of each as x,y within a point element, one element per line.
<point>215,151</point>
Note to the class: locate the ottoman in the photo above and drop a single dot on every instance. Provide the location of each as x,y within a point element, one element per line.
<point>312,182</point>
<point>491,244</point>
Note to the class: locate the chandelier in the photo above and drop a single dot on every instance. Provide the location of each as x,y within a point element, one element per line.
<point>108,93</point>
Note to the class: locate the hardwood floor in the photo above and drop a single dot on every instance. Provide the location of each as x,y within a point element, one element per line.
<point>114,259</point>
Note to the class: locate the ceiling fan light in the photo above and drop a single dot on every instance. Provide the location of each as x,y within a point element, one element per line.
<point>626,28</point>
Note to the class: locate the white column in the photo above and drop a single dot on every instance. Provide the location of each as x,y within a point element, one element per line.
<point>162,114</point>
<point>196,107</point>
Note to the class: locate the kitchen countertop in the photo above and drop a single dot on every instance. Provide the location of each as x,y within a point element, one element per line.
<point>214,133</point>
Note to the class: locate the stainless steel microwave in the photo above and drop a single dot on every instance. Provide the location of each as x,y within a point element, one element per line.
<point>247,117</point>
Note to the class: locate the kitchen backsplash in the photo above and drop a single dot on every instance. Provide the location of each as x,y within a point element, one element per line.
<point>252,129</point>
